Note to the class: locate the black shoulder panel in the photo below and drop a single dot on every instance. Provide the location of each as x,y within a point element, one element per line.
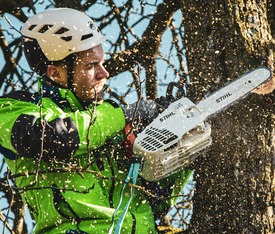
<point>60,137</point>
<point>8,153</point>
<point>23,96</point>
<point>113,103</point>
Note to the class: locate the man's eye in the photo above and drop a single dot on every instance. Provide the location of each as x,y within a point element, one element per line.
<point>90,66</point>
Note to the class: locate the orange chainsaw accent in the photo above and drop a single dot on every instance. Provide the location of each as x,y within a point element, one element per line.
<point>129,141</point>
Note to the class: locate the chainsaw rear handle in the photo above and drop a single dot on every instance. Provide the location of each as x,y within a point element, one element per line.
<point>180,92</point>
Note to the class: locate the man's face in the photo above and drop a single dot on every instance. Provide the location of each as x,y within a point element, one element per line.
<point>90,75</point>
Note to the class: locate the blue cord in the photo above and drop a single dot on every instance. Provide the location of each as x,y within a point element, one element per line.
<point>133,173</point>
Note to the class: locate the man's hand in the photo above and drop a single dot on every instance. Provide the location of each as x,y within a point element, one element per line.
<point>142,112</point>
<point>164,102</point>
<point>138,115</point>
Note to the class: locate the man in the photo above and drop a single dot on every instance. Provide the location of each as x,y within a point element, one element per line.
<point>67,140</point>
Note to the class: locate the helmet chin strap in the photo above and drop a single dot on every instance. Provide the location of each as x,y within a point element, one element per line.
<point>70,60</point>
<point>70,65</point>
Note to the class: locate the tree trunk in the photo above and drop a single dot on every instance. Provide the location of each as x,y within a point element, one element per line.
<point>235,178</point>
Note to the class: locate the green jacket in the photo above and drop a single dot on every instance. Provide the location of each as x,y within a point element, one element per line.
<point>82,163</point>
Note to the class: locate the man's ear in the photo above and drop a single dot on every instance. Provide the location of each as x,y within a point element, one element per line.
<point>58,74</point>
<point>52,72</point>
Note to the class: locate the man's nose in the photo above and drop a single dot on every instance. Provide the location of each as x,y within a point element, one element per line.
<point>102,73</point>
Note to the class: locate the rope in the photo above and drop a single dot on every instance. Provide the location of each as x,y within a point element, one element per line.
<point>132,174</point>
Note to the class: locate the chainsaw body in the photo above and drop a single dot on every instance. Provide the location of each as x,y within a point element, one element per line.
<point>172,140</point>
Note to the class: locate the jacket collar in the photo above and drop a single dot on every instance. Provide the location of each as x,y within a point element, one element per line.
<point>64,98</point>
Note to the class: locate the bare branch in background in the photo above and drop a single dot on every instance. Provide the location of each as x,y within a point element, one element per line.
<point>131,51</point>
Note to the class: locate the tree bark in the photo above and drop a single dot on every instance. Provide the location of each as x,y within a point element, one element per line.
<point>235,178</point>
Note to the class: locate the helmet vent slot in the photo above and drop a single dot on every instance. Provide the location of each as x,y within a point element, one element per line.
<point>32,27</point>
<point>84,37</point>
<point>45,28</point>
<point>62,30</point>
<point>67,38</point>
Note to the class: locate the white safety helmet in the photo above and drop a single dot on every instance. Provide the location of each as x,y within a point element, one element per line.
<point>54,34</point>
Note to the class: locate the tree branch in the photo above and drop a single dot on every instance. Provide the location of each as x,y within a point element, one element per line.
<point>146,48</point>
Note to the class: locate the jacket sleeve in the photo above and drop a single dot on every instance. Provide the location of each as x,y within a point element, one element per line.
<point>63,134</point>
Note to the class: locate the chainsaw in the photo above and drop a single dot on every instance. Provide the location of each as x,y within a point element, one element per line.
<point>175,138</point>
